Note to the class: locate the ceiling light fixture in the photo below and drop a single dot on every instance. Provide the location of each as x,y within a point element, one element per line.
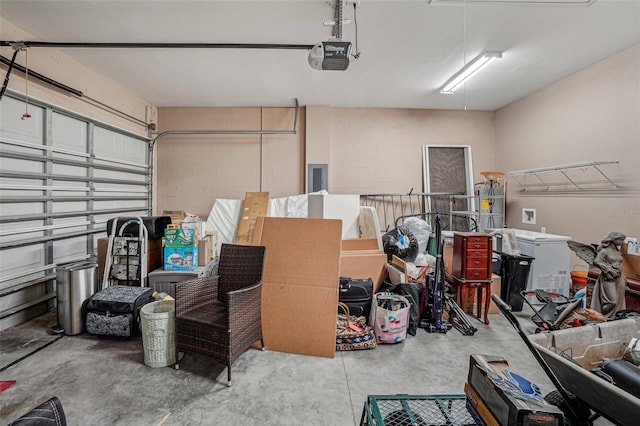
<point>471,69</point>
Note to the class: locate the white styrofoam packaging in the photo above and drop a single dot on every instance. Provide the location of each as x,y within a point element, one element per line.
<point>337,206</point>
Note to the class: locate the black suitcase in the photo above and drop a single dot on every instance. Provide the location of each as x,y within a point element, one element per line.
<point>155,226</point>
<point>115,311</point>
<point>357,295</point>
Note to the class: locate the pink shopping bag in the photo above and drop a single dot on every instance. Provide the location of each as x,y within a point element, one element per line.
<point>390,317</point>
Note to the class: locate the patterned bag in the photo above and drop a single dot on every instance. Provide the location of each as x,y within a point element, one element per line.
<point>115,311</point>
<point>353,332</point>
<point>389,317</point>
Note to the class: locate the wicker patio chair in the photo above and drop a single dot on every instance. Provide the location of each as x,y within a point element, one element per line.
<point>220,316</point>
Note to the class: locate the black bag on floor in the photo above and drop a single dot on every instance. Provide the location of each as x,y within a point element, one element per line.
<point>155,226</point>
<point>49,412</point>
<point>357,295</point>
<point>414,292</point>
<point>115,311</point>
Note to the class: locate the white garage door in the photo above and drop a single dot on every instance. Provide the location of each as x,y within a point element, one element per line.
<point>61,177</point>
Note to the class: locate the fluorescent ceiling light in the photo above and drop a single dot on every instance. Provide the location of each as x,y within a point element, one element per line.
<point>471,69</point>
<point>527,2</point>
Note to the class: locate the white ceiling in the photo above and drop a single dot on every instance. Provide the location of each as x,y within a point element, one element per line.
<point>408,48</point>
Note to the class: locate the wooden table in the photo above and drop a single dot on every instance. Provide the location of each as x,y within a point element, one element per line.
<point>462,287</point>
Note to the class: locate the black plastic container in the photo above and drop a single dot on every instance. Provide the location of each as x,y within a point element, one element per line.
<point>514,272</point>
<point>621,373</point>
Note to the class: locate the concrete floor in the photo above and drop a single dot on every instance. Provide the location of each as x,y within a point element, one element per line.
<point>103,381</point>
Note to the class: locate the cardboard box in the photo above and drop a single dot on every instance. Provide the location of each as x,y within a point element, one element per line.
<point>472,295</point>
<point>177,216</point>
<point>447,257</point>
<point>479,405</point>
<point>364,264</point>
<point>360,244</point>
<point>630,263</point>
<point>198,226</point>
<point>154,255</point>
<point>180,237</point>
<point>496,283</point>
<point>181,258</point>
<point>205,251</point>
<point>213,236</point>
<point>507,409</point>
<point>300,283</point>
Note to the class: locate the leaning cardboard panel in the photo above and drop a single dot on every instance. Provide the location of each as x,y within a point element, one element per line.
<point>364,264</point>
<point>300,284</point>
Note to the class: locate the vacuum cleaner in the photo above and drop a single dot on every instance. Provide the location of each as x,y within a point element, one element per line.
<point>432,320</point>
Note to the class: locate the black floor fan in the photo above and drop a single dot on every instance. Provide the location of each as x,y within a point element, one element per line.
<point>434,300</point>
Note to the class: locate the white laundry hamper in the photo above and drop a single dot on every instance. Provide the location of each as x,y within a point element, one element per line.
<point>158,333</point>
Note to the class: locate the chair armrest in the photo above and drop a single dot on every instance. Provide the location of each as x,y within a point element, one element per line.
<point>244,306</point>
<point>196,294</point>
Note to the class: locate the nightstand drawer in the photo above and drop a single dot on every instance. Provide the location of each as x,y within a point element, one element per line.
<point>478,245</point>
<point>477,253</point>
<point>477,262</point>
<point>476,274</point>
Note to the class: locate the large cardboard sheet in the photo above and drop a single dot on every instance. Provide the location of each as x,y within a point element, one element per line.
<point>300,284</point>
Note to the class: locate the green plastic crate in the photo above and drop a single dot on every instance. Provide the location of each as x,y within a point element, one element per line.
<point>418,410</point>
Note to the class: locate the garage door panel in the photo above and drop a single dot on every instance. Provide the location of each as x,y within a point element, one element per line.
<point>62,207</point>
<point>23,315</point>
<point>17,165</point>
<point>14,128</point>
<point>69,249</point>
<point>112,145</point>
<point>69,133</point>
<point>137,176</point>
<point>22,297</point>
<point>63,169</point>
<point>17,231</point>
<point>21,259</point>
<point>92,167</point>
<point>15,209</point>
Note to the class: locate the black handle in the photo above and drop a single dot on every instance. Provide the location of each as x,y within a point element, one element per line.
<point>502,305</point>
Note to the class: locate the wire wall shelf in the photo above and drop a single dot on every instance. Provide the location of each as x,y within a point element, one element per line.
<point>579,177</point>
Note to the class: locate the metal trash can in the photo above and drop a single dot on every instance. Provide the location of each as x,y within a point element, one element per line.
<point>75,283</point>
